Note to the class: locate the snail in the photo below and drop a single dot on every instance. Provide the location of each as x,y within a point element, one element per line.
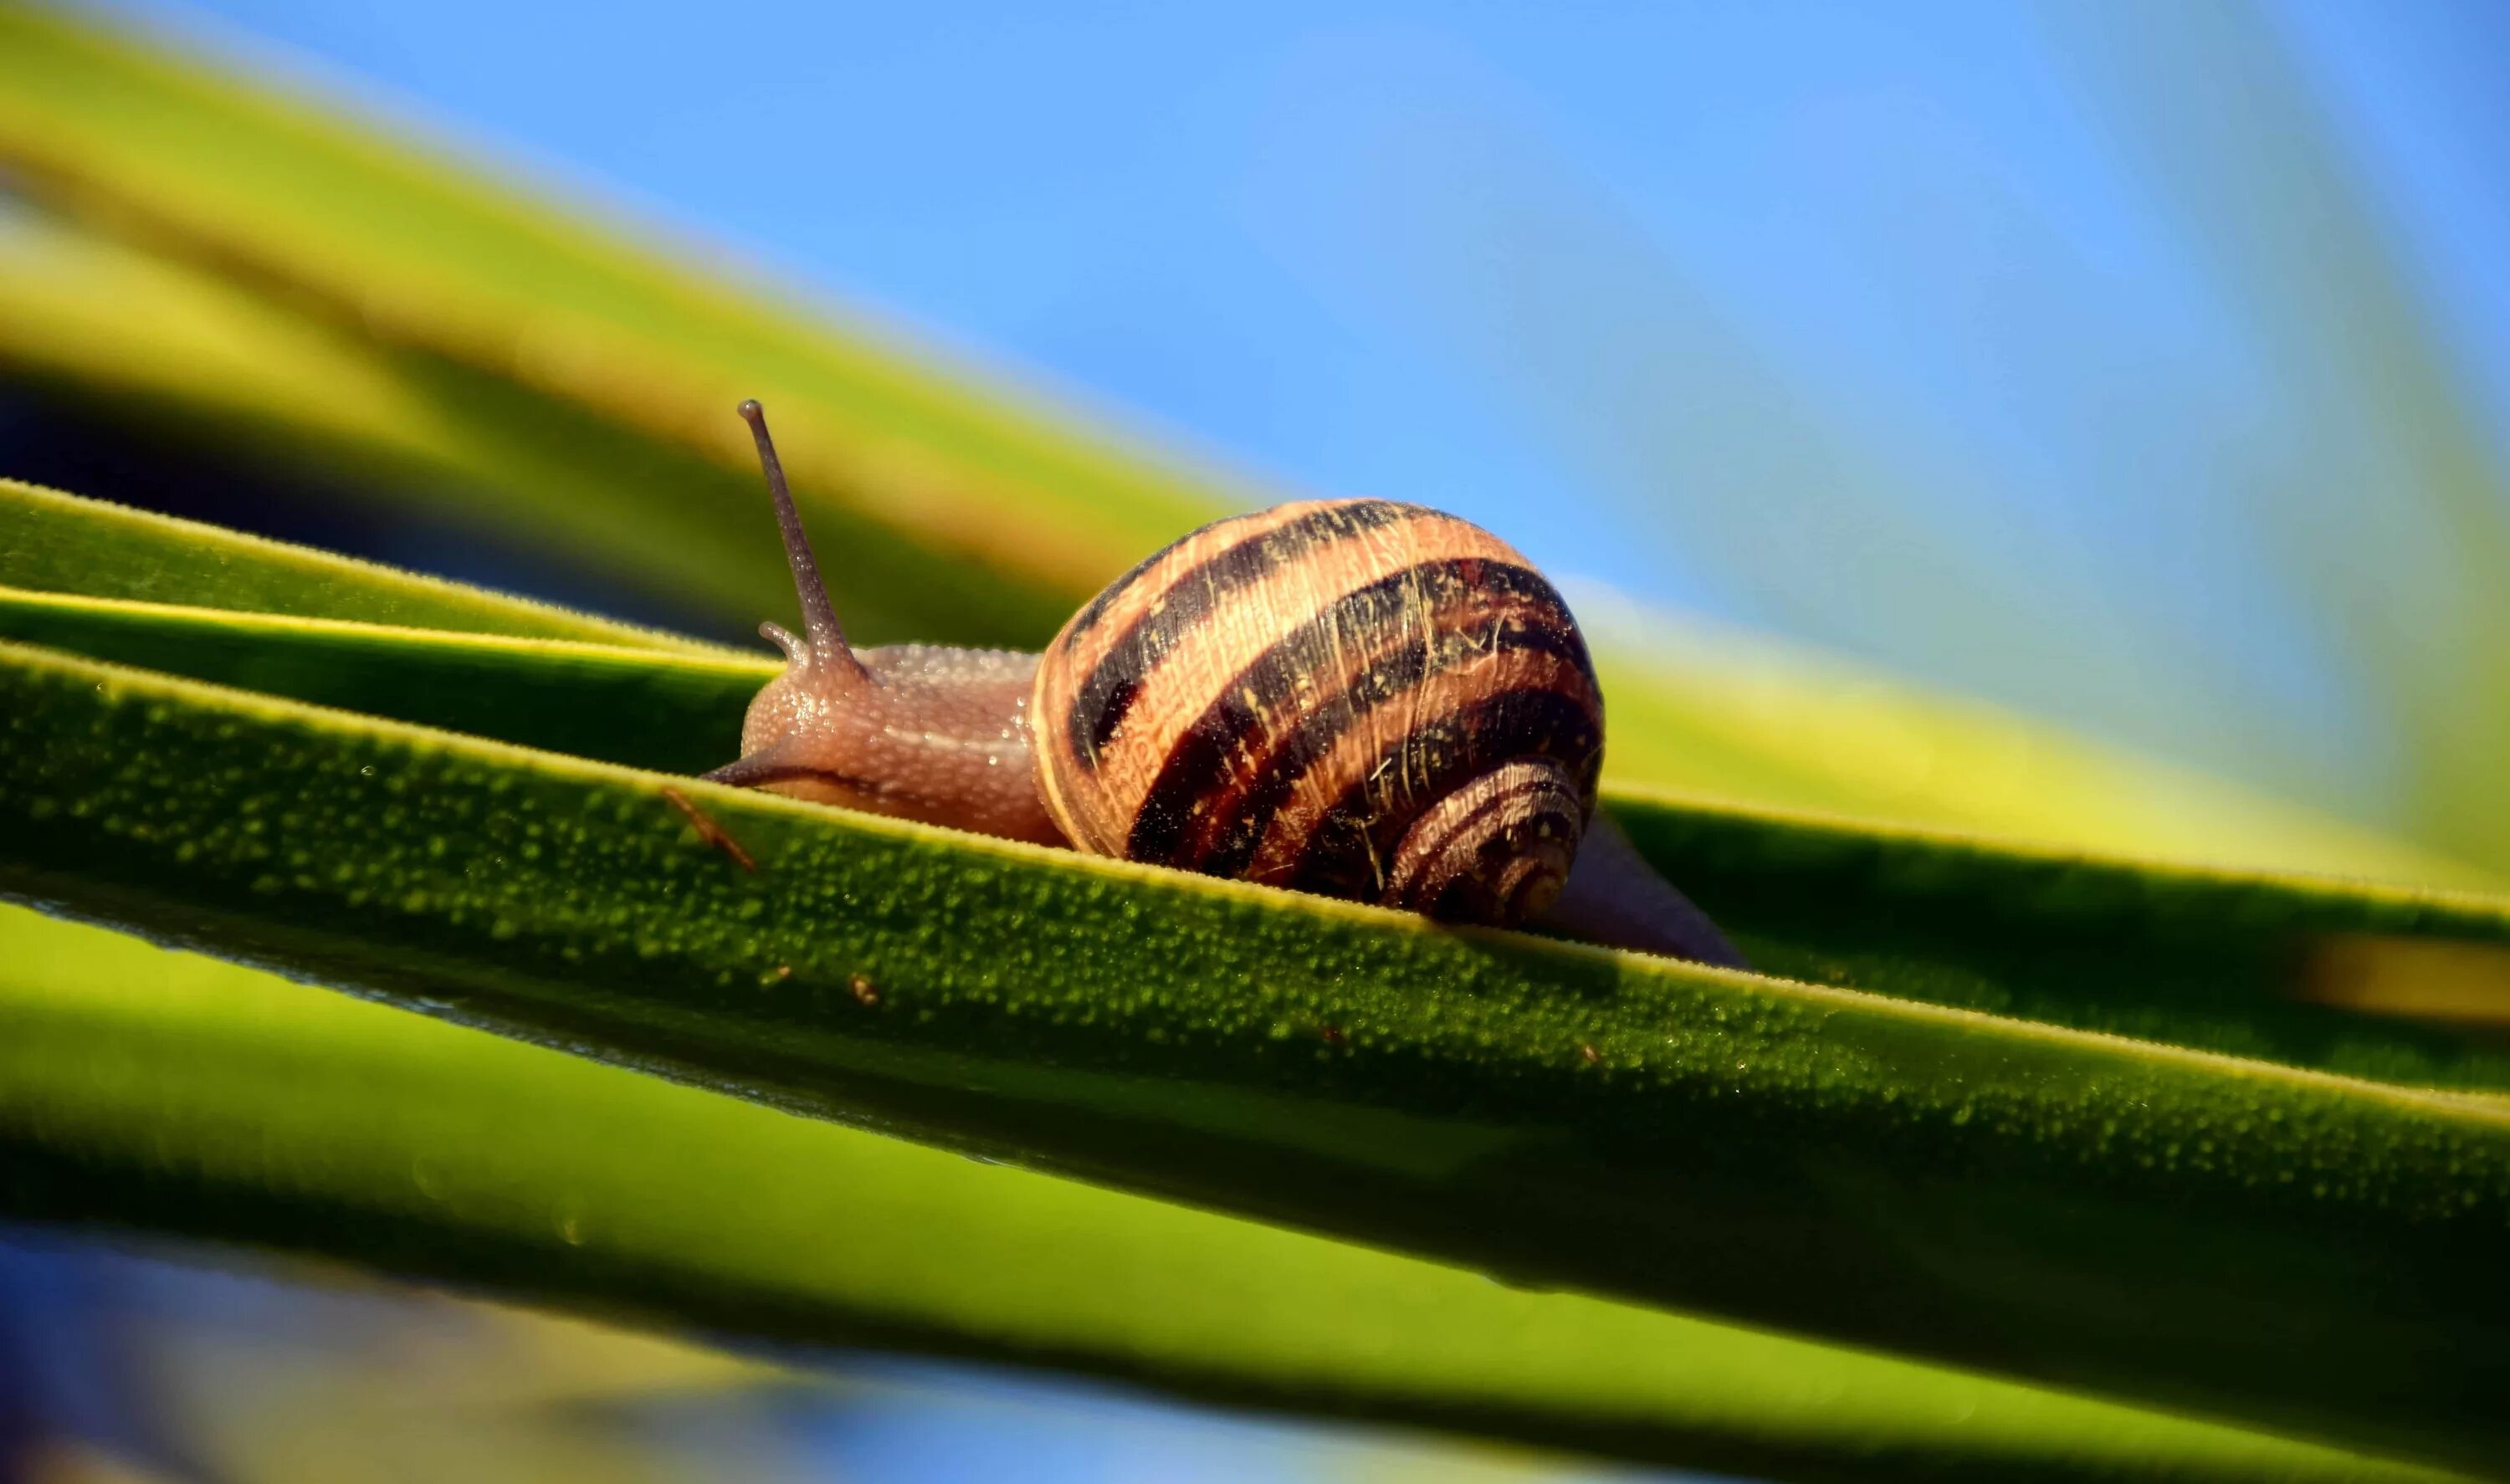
<point>1356,698</point>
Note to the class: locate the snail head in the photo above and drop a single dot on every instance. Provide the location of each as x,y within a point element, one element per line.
<point>918,732</point>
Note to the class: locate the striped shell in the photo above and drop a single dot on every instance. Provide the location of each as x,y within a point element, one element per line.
<point>1356,698</point>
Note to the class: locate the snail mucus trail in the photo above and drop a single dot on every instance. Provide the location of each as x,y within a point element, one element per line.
<point>1356,698</point>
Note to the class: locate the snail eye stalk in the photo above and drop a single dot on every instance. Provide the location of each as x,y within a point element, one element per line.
<point>824,636</point>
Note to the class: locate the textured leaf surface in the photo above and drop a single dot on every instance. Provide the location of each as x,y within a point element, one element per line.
<point>2113,945</point>
<point>173,1091</point>
<point>2296,1249</point>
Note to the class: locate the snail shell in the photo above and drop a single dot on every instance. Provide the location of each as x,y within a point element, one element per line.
<point>1356,698</point>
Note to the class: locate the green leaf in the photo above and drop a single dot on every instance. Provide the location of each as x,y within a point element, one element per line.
<point>2203,1233</point>
<point>1737,715</point>
<point>171,1092</point>
<point>1998,930</point>
<point>57,543</point>
<point>600,700</point>
<point>172,346</point>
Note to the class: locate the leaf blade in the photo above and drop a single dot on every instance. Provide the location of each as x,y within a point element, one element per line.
<point>2055,937</point>
<point>1925,1179</point>
<point>61,543</point>
<point>175,1092</point>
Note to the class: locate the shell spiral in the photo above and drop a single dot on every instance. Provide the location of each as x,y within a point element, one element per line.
<point>1357,698</point>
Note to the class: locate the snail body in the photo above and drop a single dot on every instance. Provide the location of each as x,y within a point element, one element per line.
<point>1358,698</point>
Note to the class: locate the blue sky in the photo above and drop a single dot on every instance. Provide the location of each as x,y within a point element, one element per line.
<point>1928,335</point>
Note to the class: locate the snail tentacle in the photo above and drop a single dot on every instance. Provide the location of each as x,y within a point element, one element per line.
<point>824,638</point>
